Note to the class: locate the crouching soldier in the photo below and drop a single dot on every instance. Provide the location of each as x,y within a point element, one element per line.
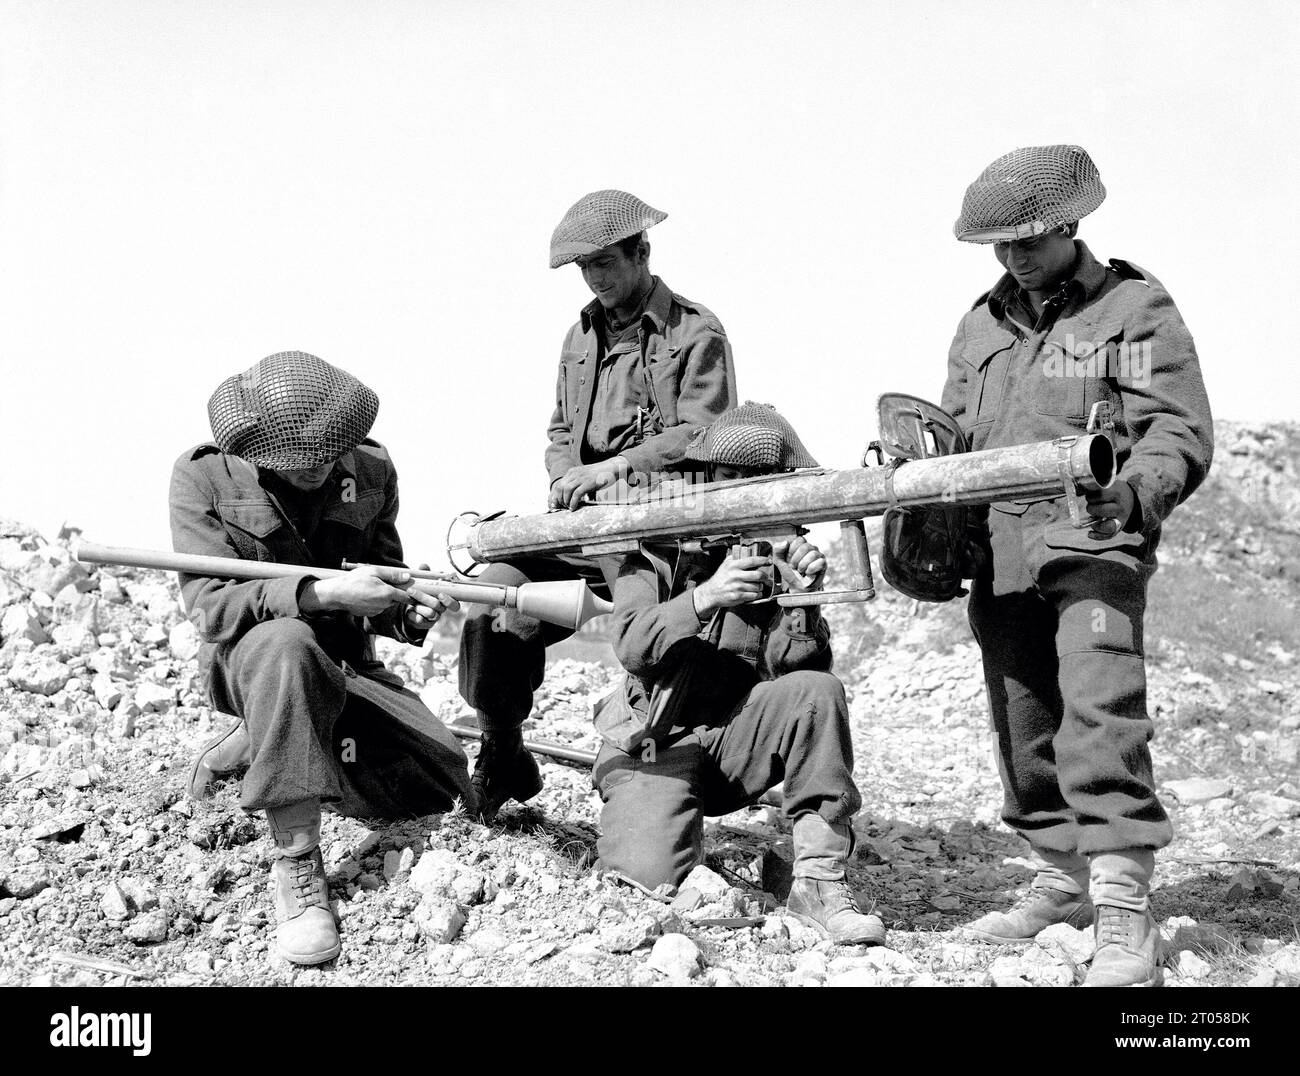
<point>725,697</point>
<point>291,477</point>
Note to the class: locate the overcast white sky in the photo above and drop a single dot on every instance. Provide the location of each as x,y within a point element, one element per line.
<point>187,187</point>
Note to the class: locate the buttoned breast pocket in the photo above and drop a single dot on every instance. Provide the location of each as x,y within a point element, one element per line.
<point>987,358</point>
<point>665,368</point>
<point>256,528</point>
<point>1076,366</point>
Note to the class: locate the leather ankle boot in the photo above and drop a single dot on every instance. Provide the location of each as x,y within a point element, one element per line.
<point>1129,950</point>
<point>1038,909</point>
<point>505,770</point>
<point>820,896</point>
<point>306,932</point>
<point>1129,947</point>
<point>226,753</point>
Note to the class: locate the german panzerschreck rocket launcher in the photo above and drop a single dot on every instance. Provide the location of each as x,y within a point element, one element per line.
<point>929,466</point>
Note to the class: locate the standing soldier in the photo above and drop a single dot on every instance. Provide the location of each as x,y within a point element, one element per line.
<point>291,476</point>
<point>640,372</point>
<point>1058,609</point>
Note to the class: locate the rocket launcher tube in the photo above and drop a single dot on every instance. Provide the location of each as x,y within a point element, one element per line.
<point>771,504</point>
<point>570,604</point>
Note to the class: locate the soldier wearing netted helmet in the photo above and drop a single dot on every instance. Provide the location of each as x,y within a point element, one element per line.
<point>726,696</point>
<point>640,372</point>
<point>1057,608</point>
<point>292,476</point>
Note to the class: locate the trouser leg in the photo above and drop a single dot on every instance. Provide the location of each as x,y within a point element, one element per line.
<point>652,822</point>
<point>397,760</point>
<point>1122,878</point>
<point>290,694</point>
<point>1066,872</point>
<point>503,653</point>
<point>1016,628</point>
<point>1103,757</point>
<point>792,730</point>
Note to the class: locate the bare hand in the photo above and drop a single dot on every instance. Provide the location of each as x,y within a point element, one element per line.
<point>805,559</point>
<point>737,581</point>
<point>364,591</point>
<point>582,481</point>
<point>427,605</point>
<point>1115,502</point>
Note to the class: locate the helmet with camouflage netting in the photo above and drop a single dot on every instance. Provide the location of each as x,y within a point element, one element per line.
<point>598,219</point>
<point>754,435</point>
<point>291,411</point>
<point>1028,192</point>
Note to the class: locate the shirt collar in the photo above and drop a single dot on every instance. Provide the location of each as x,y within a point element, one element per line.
<point>1083,284</point>
<point>656,308</point>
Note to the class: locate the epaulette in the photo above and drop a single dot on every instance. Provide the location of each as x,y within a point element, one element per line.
<point>710,318</point>
<point>1129,271</point>
<point>982,300</point>
<point>370,447</point>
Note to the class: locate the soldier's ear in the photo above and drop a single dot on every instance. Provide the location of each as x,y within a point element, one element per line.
<point>643,250</point>
<point>1071,229</point>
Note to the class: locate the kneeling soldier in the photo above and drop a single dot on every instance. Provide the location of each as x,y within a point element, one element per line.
<point>726,697</point>
<point>291,477</point>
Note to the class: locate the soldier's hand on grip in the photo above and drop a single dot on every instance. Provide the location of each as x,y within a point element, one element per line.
<point>737,581</point>
<point>805,559</point>
<point>364,591</point>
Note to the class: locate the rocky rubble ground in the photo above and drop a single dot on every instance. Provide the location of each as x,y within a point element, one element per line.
<point>109,874</point>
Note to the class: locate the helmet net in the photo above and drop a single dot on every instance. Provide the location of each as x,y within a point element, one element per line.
<point>598,219</point>
<point>1029,191</point>
<point>752,435</point>
<point>291,411</point>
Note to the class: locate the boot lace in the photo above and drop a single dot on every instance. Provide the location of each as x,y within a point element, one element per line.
<point>836,898</point>
<point>304,880</point>
<point>1112,926</point>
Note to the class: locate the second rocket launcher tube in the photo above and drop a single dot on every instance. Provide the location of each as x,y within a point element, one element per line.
<point>1041,469</point>
<point>568,604</point>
